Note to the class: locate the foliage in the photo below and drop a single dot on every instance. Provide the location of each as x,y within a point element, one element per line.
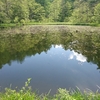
<point>74,11</point>
<point>97,13</point>
<point>26,94</point>
<point>65,11</point>
<point>54,10</point>
<point>20,11</point>
<point>82,13</point>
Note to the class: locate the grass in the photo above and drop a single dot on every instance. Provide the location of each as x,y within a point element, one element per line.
<point>26,94</point>
<point>44,23</point>
<point>7,25</point>
<point>48,23</point>
<point>62,23</point>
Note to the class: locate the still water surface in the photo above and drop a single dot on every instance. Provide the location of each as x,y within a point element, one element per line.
<point>52,60</point>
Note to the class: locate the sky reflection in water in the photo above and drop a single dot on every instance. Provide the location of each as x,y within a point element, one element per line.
<point>51,69</point>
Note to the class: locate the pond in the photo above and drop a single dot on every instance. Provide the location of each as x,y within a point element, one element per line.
<point>53,59</point>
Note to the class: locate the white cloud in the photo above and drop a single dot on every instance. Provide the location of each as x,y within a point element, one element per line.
<point>58,46</point>
<point>71,56</point>
<point>79,57</point>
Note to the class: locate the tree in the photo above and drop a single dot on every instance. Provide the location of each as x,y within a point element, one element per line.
<point>20,10</point>
<point>5,11</point>
<point>76,11</point>
<point>82,14</point>
<point>97,13</point>
<point>65,11</point>
<point>36,11</point>
<point>55,10</point>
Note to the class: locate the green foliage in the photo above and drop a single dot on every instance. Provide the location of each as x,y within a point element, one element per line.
<point>65,11</point>
<point>63,94</point>
<point>36,11</point>
<point>74,11</point>
<point>19,11</point>
<point>97,13</point>
<point>23,94</point>
<point>82,14</point>
<point>26,94</point>
<point>6,12</point>
<point>54,10</point>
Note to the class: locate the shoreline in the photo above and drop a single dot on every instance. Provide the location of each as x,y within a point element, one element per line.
<point>26,93</point>
<point>33,29</point>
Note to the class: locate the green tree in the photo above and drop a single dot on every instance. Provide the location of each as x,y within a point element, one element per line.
<point>65,11</point>
<point>82,14</point>
<point>20,11</point>
<point>76,11</point>
<point>55,10</point>
<point>97,13</point>
<point>5,11</point>
<point>36,11</point>
<point>45,4</point>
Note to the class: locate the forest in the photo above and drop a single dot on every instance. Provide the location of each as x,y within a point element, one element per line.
<point>44,11</point>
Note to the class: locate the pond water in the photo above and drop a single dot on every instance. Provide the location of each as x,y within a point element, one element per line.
<point>53,60</point>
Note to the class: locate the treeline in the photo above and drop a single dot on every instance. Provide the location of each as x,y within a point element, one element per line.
<point>70,11</point>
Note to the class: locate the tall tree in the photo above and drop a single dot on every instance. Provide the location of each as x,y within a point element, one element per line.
<point>55,10</point>
<point>76,11</point>
<point>5,11</point>
<point>36,11</point>
<point>81,14</point>
<point>97,13</point>
<point>65,11</point>
<point>20,10</point>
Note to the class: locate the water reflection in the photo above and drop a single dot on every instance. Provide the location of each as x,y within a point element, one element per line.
<point>79,57</point>
<point>86,47</point>
<point>52,60</point>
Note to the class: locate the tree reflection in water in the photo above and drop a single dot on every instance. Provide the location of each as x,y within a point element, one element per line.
<point>18,46</point>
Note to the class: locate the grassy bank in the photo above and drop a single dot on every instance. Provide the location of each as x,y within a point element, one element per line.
<point>63,23</point>
<point>26,94</point>
<point>43,23</point>
<point>7,25</point>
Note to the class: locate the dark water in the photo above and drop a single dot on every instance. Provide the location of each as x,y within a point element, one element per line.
<point>52,60</point>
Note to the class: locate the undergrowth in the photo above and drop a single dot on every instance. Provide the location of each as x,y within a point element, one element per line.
<point>25,93</point>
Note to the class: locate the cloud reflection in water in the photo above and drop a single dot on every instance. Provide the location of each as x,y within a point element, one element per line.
<point>79,57</point>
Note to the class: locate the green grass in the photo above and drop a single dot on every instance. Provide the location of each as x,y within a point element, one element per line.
<point>7,25</point>
<point>48,23</point>
<point>44,23</point>
<point>62,23</point>
<point>26,94</point>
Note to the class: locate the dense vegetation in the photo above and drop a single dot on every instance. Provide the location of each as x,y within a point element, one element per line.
<point>30,11</point>
<point>26,94</point>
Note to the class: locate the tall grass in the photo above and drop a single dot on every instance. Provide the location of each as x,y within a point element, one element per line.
<point>25,93</point>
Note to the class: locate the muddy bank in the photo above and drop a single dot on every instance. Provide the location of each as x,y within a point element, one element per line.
<point>33,29</point>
